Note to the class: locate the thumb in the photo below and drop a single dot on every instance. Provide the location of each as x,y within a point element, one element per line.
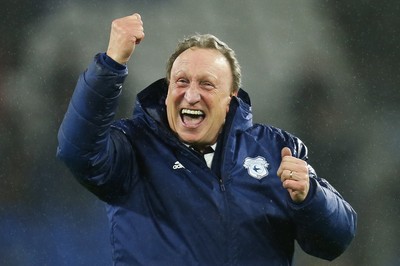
<point>286,152</point>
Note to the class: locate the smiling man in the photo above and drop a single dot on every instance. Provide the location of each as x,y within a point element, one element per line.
<point>199,92</point>
<point>190,179</point>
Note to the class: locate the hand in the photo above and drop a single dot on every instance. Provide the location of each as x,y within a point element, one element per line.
<point>125,34</point>
<point>294,175</point>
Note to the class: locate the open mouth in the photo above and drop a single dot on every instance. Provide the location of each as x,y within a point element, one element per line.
<point>192,118</point>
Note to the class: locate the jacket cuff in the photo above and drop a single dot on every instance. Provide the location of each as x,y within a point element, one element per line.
<point>311,207</point>
<point>111,63</point>
<point>103,78</point>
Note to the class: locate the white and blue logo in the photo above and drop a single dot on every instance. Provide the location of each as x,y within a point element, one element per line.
<point>256,167</point>
<point>177,165</point>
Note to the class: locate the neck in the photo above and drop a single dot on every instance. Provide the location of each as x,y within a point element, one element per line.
<point>203,149</point>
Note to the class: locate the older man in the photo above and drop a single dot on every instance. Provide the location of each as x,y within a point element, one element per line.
<point>189,179</point>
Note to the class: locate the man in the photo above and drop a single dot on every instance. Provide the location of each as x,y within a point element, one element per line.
<point>190,180</point>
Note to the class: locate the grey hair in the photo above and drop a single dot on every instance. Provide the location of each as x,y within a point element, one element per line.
<point>208,41</point>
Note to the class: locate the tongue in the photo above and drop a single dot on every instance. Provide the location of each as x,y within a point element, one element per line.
<point>192,120</point>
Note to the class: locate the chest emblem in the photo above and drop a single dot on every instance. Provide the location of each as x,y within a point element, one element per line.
<point>256,167</point>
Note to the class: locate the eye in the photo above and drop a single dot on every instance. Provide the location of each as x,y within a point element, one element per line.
<point>182,82</point>
<point>207,85</point>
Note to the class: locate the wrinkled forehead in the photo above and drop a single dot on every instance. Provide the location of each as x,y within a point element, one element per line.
<point>201,58</point>
<point>202,63</point>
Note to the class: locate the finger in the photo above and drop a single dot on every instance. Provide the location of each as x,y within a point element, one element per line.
<point>286,152</point>
<point>137,15</point>
<point>280,171</point>
<point>291,184</point>
<point>290,163</point>
<point>139,36</point>
<point>297,190</point>
<point>293,163</point>
<point>286,174</point>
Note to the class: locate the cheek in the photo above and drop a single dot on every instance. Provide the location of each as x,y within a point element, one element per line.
<point>222,109</point>
<point>169,109</point>
<point>167,99</point>
<point>170,100</point>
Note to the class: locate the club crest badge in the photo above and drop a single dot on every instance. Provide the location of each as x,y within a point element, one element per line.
<point>256,167</point>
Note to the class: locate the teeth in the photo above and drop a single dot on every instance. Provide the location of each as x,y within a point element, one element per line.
<point>192,112</point>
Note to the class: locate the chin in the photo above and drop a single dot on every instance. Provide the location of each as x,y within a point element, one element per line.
<point>191,140</point>
<point>188,140</point>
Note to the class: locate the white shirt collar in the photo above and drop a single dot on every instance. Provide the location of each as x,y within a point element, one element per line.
<point>208,157</point>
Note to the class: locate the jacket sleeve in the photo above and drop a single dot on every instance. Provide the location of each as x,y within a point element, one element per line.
<point>97,155</point>
<point>325,222</point>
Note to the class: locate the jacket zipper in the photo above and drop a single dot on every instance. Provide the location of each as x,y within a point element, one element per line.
<point>221,185</point>
<point>220,180</point>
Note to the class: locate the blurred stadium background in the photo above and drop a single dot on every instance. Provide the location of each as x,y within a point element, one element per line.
<point>327,71</point>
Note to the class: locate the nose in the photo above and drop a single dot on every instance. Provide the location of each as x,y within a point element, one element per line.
<point>192,94</point>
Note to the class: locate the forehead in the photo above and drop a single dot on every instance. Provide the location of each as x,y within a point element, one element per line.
<point>198,58</point>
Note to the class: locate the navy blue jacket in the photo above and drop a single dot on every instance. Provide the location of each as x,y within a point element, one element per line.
<point>166,207</point>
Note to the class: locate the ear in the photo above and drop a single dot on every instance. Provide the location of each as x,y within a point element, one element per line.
<point>167,95</point>
<point>234,93</point>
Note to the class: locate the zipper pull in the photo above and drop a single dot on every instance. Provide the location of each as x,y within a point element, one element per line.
<point>221,185</point>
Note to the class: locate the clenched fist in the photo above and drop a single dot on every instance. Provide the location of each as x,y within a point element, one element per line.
<point>294,176</point>
<point>125,34</point>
